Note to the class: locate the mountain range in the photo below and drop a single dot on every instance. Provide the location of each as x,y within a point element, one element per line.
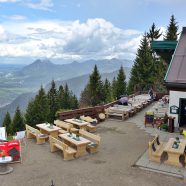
<point>76,75</point>
<point>43,71</point>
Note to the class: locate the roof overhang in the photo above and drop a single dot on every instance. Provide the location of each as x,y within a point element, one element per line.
<point>163,45</point>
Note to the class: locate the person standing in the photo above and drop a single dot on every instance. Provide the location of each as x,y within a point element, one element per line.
<point>151,93</point>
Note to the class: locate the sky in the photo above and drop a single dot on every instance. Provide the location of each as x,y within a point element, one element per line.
<point>69,30</point>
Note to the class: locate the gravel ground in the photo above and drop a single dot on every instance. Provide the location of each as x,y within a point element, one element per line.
<point>122,143</point>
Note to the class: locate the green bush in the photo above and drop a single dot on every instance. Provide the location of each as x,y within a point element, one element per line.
<point>164,126</point>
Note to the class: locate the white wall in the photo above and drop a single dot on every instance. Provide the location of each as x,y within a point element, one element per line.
<point>174,100</point>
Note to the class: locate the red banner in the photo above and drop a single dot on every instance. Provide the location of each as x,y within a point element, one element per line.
<point>10,148</point>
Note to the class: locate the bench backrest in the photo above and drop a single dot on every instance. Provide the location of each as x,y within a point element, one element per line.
<point>90,136</point>
<point>88,119</point>
<point>153,145</point>
<point>32,130</point>
<point>58,142</point>
<point>63,124</point>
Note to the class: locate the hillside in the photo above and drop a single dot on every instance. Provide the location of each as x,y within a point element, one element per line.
<point>17,80</point>
<point>78,84</point>
<point>75,84</point>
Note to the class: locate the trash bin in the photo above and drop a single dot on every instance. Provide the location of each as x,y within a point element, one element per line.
<point>171,124</point>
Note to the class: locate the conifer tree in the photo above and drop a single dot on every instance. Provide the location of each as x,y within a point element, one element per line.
<point>85,98</point>
<point>153,33</point>
<point>66,98</point>
<point>121,83</point>
<point>142,72</point>
<point>60,96</point>
<point>8,123</point>
<point>114,94</point>
<point>38,109</point>
<point>18,121</point>
<point>107,91</point>
<point>53,102</point>
<point>73,102</point>
<point>31,114</point>
<point>42,106</point>
<point>95,87</point>
<point>172,30</point>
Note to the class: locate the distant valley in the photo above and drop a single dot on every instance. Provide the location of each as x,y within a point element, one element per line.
<point>18,85</point>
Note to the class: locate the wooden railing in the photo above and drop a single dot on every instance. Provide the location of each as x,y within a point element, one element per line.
<point>93,111</point>
<point>90,111</point>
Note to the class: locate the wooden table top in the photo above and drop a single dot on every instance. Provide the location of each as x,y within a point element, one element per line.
<point>46,127</point>
<point>179,150</point>
<point>72,139</point>
<point>77,122</point>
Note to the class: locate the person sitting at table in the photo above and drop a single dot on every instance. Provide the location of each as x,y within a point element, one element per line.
<point>151,93</point>
<point>124,101</point>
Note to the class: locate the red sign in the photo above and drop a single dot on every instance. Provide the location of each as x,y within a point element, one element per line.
<point>10,148</point>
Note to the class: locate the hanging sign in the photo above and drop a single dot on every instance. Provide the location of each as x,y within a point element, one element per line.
<point>174,109</point>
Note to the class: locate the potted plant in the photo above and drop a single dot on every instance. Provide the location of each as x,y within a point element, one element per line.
<point>77,136</point>
<point>175,145</point>
<point>164,127</point>
<point>177,139</point>
<point>51,126</point>
<point>70,133</point>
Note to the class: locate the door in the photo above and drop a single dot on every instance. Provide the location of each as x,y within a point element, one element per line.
<point>182,112</point>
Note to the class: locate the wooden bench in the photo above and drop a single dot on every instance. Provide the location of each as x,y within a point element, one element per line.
<point>156,149</point>
<point>65,127</point>
<point>89,127</point>
<point>95,141</point>
<point>56,144</point>
<point>35,133</point>
<point>119,113</point>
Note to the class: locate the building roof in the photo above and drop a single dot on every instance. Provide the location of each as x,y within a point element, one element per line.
<point>165,49</point>
<point>164,45</point>
<point>176,73</point>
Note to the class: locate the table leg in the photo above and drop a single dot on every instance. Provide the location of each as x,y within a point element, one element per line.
<point>5,169</point>
<point>173,159</point>
<point>54,134</point>
<point>81,151</point>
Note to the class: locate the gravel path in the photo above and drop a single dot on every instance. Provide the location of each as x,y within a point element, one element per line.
<point>122,144</point>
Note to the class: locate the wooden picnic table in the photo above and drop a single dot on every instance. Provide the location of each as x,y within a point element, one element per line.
<point>46,129</point>
<point>79,144</point>
<point>78,123</point>
<point>174,154</point>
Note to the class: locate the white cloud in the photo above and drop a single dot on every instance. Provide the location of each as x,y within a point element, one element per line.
<point>15,17</point>
<point>9,1</point>
<point>41,5</point>
<point>96,38</point>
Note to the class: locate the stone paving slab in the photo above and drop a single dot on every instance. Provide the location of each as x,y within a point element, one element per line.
<point>143,162</point>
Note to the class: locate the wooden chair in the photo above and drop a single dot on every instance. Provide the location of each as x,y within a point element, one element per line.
<point>149,118</point>
<point>156,149</point>
<point>56,145</point>
<point>95,141</point>
<point>35,133</point>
